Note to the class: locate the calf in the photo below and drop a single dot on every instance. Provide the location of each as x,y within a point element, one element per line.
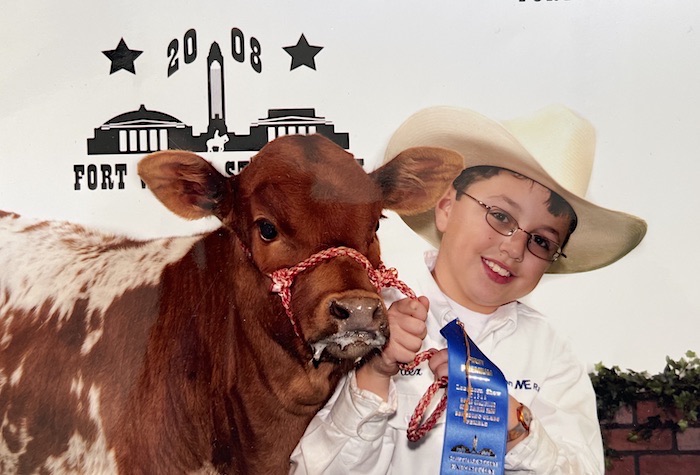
<point>173,355</point>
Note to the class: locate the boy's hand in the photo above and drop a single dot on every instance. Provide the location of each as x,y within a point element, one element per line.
<point>438,364</point>
<point>406,332</point>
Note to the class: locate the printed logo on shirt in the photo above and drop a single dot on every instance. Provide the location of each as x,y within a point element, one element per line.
<point>411,372</point>
<point>524,384</point>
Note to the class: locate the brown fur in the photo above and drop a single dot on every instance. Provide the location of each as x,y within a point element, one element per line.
<point>201,369</point>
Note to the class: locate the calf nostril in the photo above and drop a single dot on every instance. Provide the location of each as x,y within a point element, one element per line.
<point>339,311</point>
<point>358,313</point>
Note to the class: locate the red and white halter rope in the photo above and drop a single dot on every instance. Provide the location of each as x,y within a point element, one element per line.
<point>381,277</point>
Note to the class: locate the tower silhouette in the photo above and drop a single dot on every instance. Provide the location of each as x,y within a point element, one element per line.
<point>215,75</point>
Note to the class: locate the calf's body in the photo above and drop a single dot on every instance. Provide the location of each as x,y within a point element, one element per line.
<point>172,355</point>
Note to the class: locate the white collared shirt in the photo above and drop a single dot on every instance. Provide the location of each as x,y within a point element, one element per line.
<point>358,432</point>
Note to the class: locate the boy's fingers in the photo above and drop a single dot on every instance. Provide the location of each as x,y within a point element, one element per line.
<point>402,339</point>
<point>416,308</point>
<point>419,308</point>
<point>438,358</point>
<point>402,346</point>
<point>413,326</point>
<point>403,355</point>
<point>407,323</point>
<point>438,363</point>
<point>424,300</point>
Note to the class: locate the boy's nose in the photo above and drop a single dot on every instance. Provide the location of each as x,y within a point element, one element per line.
<point>515,245</point>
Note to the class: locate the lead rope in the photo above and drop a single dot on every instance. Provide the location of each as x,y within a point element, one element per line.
<point>381,277</point>
<point>416,430</point>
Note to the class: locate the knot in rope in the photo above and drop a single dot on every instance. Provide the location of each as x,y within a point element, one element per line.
<point>281,280</point>
<point>384,277</point>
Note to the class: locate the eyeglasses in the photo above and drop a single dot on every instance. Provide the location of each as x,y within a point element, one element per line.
<point>504,224</point>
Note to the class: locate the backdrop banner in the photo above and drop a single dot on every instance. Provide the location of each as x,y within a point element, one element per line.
<point>88,88</point>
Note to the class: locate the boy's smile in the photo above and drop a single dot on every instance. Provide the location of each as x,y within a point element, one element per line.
<point>498,273</point>
<point>480,268</point>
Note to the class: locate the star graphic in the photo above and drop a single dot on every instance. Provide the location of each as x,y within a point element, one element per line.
<point>303,53</point>
<point>122,58</point>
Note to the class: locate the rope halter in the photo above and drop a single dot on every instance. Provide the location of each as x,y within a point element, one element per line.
<point>381,277</point>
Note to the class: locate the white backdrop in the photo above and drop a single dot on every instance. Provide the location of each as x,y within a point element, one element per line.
<point>632,68</point>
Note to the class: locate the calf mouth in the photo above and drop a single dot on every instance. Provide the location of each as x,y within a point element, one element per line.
<point>352,344</point>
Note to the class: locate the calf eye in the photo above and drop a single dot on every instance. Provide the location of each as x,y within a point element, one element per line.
<point>268,232</point>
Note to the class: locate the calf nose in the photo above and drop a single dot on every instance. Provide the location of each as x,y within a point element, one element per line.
<point>357,312</point>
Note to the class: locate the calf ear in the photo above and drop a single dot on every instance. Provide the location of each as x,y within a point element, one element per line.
<point>414,180</point>
<point>185,183</point>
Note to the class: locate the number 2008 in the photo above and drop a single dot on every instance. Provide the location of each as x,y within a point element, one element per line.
<point>238,50</point>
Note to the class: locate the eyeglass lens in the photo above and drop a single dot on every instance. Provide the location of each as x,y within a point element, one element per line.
<point>505,224</point>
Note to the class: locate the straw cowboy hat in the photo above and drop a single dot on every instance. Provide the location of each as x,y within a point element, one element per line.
<point>554,147</point>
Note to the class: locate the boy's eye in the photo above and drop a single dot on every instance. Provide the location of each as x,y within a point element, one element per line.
<point>543,242</point>
<point>501,216</point>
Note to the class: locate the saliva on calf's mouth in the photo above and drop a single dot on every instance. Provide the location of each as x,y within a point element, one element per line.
<point>364,340</point>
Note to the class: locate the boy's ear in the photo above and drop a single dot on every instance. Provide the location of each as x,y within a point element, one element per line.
<point>443,208</point>
<point>413,181</point>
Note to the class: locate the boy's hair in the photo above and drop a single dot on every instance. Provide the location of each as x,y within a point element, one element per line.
<point>556,205</point>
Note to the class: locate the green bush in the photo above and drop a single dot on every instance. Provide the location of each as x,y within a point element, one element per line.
<point>676,389</point>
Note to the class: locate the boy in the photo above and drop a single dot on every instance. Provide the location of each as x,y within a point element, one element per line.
<point>508,218</point>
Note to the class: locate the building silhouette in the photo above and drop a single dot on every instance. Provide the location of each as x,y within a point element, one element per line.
<point>143,130</point>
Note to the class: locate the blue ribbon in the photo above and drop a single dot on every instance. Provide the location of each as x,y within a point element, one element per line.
<point>477,443</point>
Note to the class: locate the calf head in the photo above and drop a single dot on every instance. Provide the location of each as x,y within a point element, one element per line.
<point>299,196</point>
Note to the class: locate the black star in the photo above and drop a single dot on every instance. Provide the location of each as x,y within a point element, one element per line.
<point>122,58</point>
<point>303,53</point>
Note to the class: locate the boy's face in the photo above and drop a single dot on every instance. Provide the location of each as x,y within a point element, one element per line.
<point>480,268</point>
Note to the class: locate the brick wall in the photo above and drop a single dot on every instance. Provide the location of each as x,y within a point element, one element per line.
<point>666,452</point>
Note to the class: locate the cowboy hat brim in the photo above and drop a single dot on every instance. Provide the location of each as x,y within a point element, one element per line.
<point>602,236</point>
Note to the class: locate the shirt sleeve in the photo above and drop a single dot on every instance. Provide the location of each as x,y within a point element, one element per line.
<point>349,435</point>
<point>565,433</point>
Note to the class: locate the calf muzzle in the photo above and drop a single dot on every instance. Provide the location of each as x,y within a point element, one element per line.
<point>361,324</point>
<point>356,316</point>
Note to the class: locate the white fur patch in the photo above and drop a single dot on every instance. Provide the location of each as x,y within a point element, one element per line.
<point>83,456</point>
<point>76,385</point>
<point>16,375</point>
<point>59,264</point>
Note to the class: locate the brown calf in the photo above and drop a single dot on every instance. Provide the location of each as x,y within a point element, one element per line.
<point>172,355</point>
